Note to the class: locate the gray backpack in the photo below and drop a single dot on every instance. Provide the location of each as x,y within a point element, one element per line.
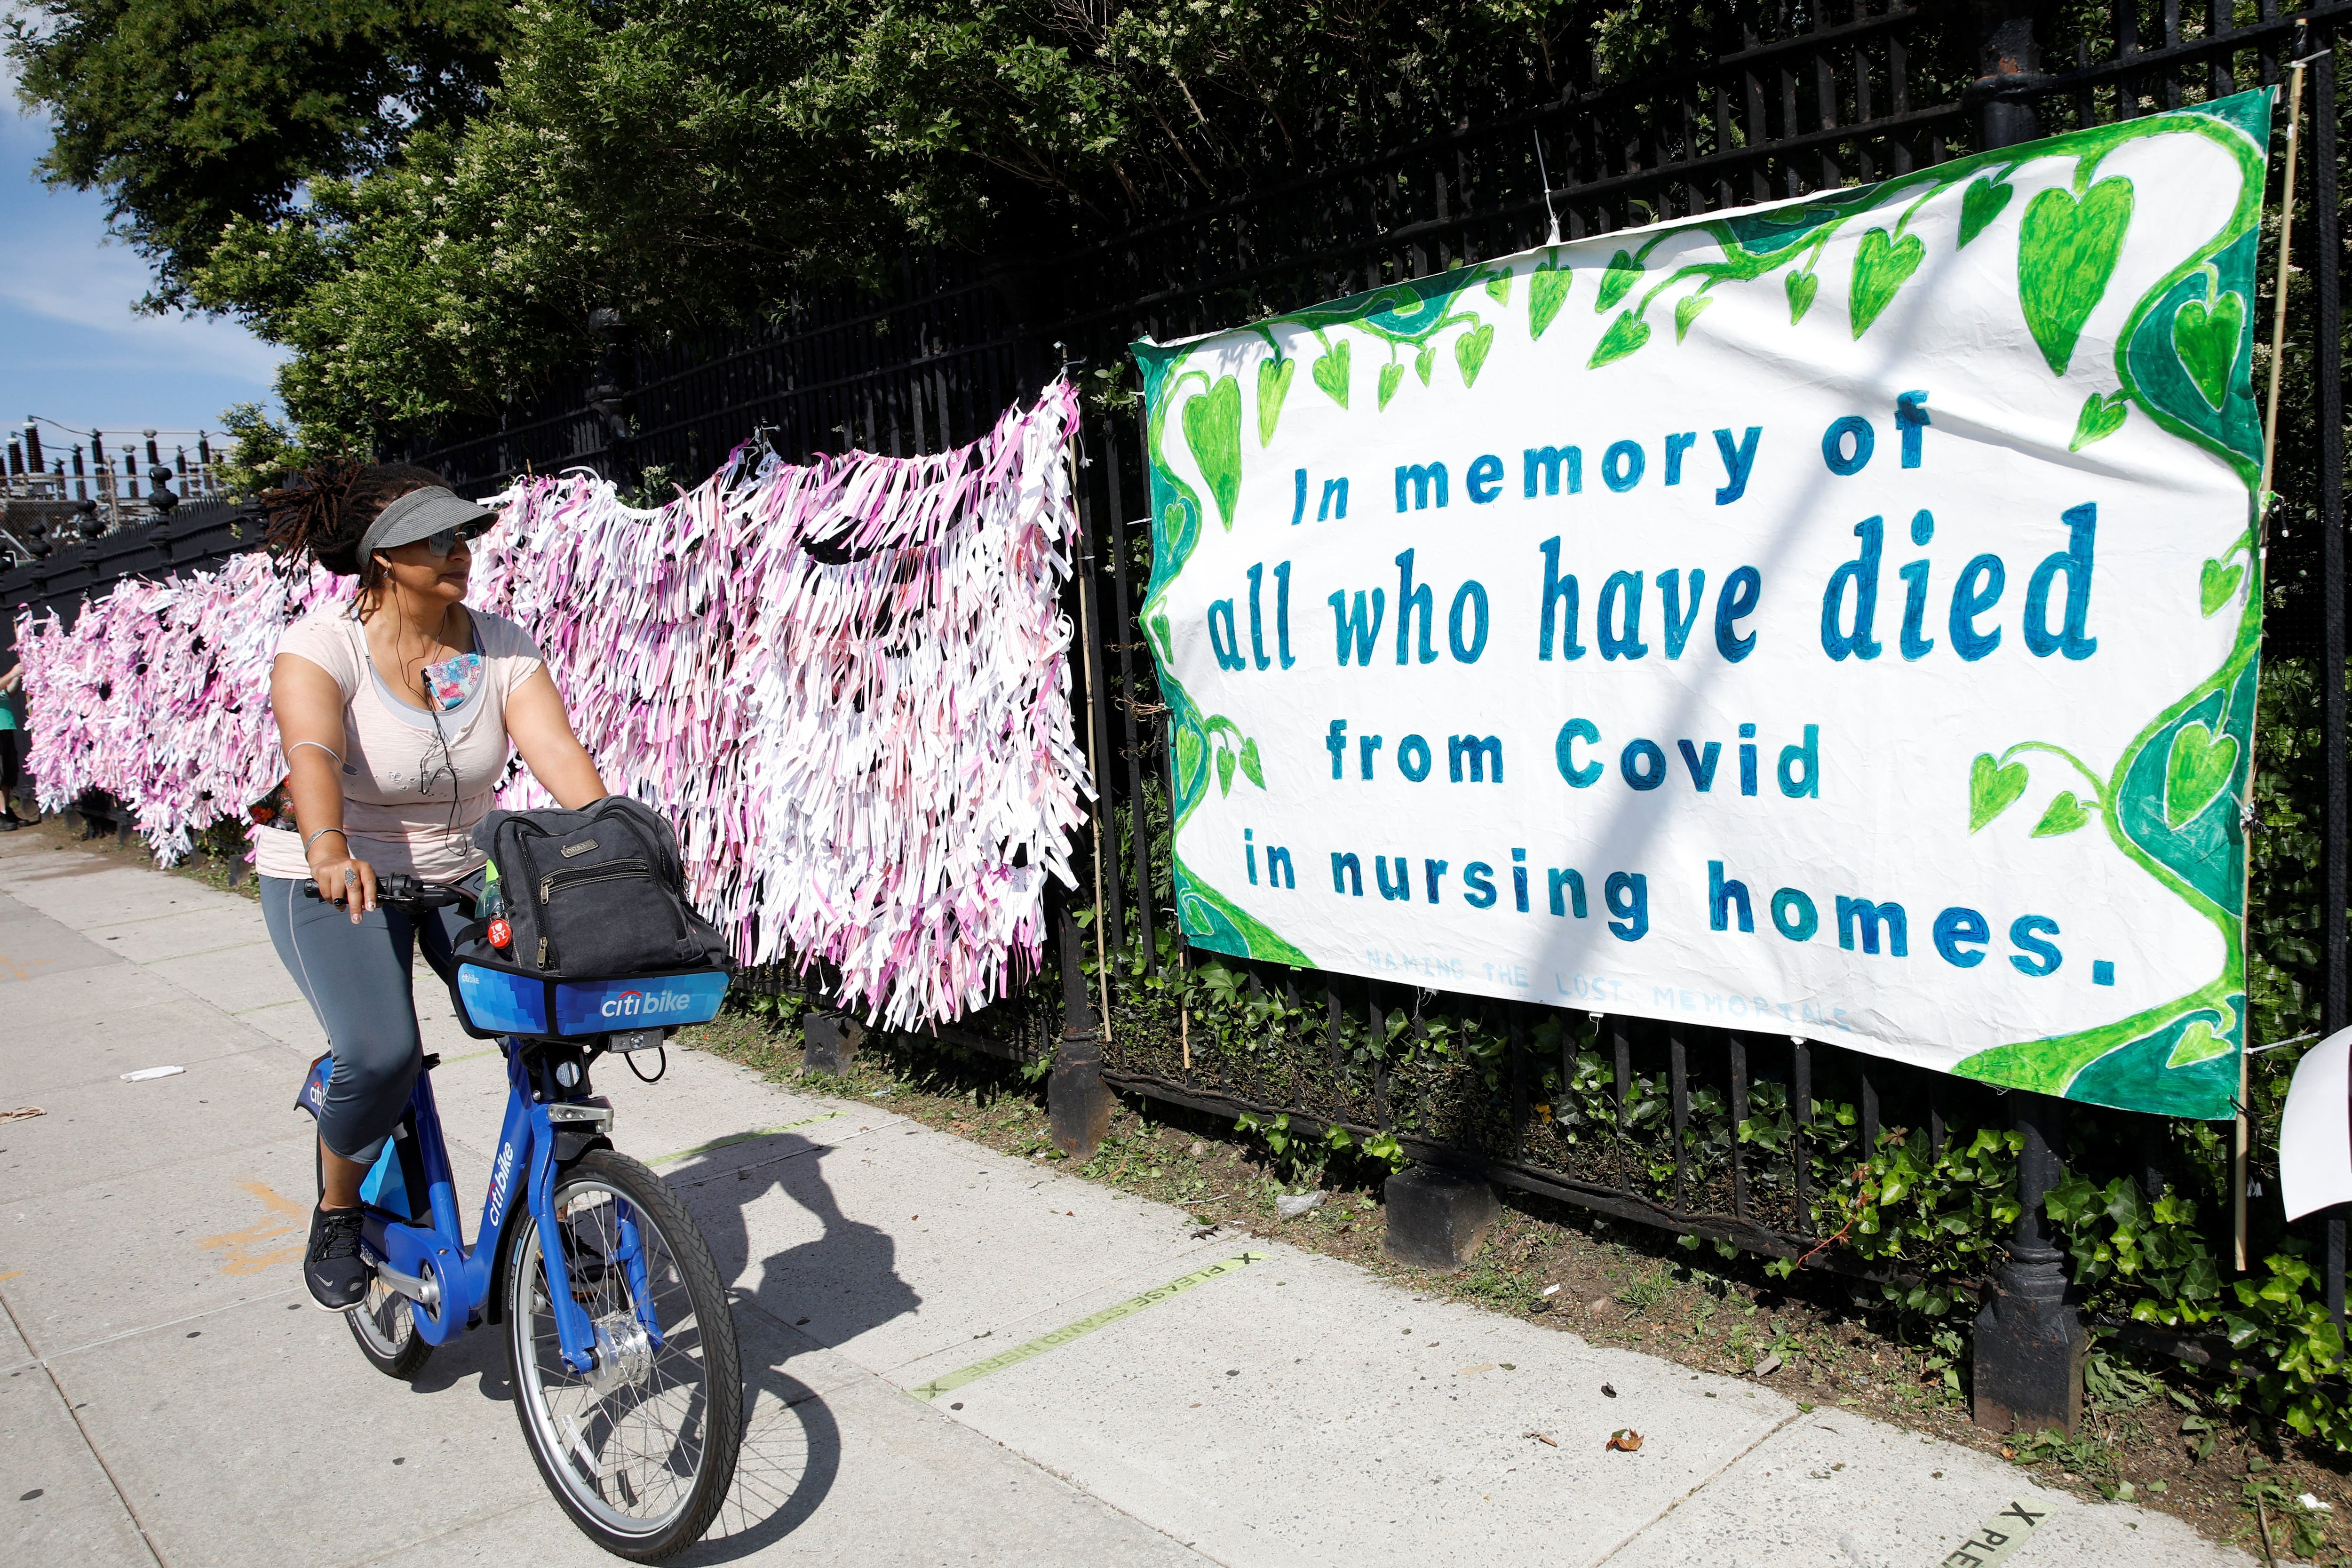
<point>596,894</point>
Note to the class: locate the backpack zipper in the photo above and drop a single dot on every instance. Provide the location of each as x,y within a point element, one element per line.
<point>611,870</point>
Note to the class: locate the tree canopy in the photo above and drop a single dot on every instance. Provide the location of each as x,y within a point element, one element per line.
<point>189,114</point>
<point>426,200</point>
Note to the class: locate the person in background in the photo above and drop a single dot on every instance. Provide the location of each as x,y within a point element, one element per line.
<point>12,745</point>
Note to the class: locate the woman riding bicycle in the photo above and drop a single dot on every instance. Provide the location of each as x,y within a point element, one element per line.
<point>394,715</point>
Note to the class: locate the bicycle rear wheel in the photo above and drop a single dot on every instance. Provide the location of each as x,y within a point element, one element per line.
<point>640,1452</point>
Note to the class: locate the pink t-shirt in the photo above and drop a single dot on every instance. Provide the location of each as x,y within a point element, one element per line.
<point>415,783</point>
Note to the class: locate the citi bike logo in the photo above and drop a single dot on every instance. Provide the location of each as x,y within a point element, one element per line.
<point>637,1005</point>
<point>499,1182</point>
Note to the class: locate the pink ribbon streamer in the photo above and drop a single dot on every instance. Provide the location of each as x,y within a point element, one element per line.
<point>871,760</point>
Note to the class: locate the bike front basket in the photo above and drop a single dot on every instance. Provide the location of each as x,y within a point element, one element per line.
<point>495,999</point>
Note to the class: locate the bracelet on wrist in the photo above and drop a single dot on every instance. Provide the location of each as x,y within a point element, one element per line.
<point>322,833</point>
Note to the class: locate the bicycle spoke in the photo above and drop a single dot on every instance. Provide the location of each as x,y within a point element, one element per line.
<point>638,1448</point>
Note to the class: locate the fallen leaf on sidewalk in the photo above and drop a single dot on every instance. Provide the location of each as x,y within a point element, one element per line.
<point>1609,1391</point>
<point>1625,1440</point>
<point>1539,1437</point>
<point>22,1113</point>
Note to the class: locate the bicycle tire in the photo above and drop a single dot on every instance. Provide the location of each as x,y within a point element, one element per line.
<point>384,1325</point>
<point>586,1474</point>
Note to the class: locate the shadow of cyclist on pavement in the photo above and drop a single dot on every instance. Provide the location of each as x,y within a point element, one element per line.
<point>816,1292</point>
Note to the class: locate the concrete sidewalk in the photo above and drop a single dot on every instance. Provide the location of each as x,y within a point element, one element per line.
<point>171,1396</point>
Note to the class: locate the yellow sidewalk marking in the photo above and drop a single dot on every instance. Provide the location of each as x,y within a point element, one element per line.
<point>1084,1326</point>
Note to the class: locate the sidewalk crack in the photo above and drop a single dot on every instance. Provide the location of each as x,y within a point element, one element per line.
<point>1700,1485</point>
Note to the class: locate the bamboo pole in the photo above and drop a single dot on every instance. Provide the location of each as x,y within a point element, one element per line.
<point>2241,1150</point>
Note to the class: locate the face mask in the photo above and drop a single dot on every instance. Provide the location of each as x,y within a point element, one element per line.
<point>449,683</point>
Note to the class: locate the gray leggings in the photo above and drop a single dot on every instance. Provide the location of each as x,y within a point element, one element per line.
<point>357,979</point>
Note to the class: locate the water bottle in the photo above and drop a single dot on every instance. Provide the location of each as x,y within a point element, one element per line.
<point>494,907</point>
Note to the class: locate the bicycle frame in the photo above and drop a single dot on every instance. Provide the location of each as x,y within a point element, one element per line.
<point>453,1282</point>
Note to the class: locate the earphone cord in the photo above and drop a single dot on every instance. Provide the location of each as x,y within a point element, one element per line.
<point>448,758</point>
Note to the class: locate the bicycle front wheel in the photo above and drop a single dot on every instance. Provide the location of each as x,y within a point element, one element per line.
<point>641,1450</point>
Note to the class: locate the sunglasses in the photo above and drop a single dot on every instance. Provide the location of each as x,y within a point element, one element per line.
<point>439,545</point>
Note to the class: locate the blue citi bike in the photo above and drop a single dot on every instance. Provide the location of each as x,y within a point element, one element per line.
<point>619,1338</point>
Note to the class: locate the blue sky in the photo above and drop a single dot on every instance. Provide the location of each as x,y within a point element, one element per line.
<point>70,348</point>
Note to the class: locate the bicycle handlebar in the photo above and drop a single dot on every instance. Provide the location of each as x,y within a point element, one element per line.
<point>411,892</point>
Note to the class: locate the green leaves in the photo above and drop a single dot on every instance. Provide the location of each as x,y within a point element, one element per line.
<point>1330,371</point>
<point>2198,1043</point>
<point>1881,267</point>
<point>2196,771</point>
<point>2205,335</point>
<point>1547,292</point>
<point>1622,273</point>
<point>2217,585</point>
<point>1687,311</point>
<point>1424,363</point>
<point>1625,334</point>
<point>2066,251</point>
<point>1470,352</point>
<point>1391,375</point>
<point>2064,815</point>
<point>1213,430</point>
<point>1801,287</point>
<point>1980,204</point>
<point>2101,417</point>
<point>1992,788</point>
<point>1499,288</point>
<point>1273,377</point>
<point>1235,752</point>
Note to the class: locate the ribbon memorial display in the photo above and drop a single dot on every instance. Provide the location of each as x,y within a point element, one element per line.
<point>1836,618</point>
<point>848,683</point>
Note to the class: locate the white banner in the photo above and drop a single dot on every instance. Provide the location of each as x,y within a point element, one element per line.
<point>1836,618</point>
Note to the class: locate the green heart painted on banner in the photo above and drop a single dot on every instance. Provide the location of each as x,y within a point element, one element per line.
<point>2196,771</point>
<point>1623,272</point>
<point>1625,334</point>
<point>2206,338</point>
<point>2063,815</point>
<point>1882,265</point>
<point>1686,311</point>
<point>1980,204</point>
<point>1252,769</point>
<point>1212,429</point>
<point>2198,1043</point>
<point>1224,770</point>
<point>1992,789</point>
<point>1803,286</point>
<point>1330,371</point>
<point>1547,292</point>
<point>1470,352</point>
<point>1498,288</point>
<point>1188,760</point>
<point>1424,363</point>
<point>2217,585</point>
<point>1273,385</point>
<point>2101,417</point>
<point>1391,375</point>
<point>2066,251</point>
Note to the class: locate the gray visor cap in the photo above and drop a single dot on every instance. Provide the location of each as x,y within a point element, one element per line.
<point>421,514</point>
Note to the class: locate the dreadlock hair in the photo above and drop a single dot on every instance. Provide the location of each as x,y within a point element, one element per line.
<point>325,510</point>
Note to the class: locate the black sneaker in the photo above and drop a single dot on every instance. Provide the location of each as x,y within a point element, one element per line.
<point>331,1267</point>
